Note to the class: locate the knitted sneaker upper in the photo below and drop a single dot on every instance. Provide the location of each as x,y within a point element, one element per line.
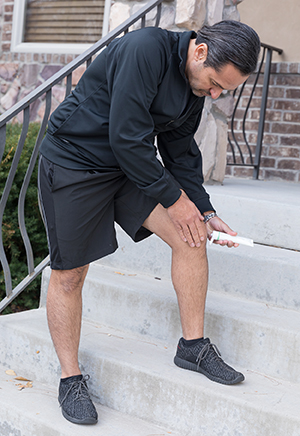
<point>207,357</point>
<point>75,400</point>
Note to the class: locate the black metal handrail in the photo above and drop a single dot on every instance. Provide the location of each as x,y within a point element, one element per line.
<point>266,60</point>
<point>24,106</point>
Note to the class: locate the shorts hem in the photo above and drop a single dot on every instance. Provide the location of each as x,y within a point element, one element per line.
<point>92,258</point>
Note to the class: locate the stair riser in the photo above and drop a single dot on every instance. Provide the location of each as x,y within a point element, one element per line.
<point>241,330</point>
<point>191,414</point>
<point>261,273</point>
<point>167,396</point>
<point>268,212</point>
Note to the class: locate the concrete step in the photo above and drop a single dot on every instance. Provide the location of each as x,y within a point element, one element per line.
<point>267,212</point>
<point>35,412</point>
<point>262,273</point>
<point>249,334</point>
<point>137,377</point>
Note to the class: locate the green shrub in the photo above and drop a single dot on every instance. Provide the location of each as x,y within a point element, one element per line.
<point>12,239</point>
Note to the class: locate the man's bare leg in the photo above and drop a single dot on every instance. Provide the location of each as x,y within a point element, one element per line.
<point>189,272</point>
<point>64,310</point>
<point>190,278</point>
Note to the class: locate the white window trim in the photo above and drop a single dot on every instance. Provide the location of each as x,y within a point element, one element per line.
<point>18,28</point>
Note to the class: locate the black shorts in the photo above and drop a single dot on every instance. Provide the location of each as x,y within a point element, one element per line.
<point>80,208</point>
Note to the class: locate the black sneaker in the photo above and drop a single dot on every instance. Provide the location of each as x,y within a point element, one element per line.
<point>75,402</point>
<point>205,358</point>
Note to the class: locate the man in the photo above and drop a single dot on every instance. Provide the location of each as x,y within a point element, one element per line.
<point>99,165</point>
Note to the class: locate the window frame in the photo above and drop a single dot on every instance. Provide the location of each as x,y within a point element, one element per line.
<point>18,28</point>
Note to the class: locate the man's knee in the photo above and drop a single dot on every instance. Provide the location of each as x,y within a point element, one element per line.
<point>185,249</point>
<point>69,280</point>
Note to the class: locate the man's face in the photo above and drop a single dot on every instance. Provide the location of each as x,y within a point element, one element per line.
<point>206,81</point>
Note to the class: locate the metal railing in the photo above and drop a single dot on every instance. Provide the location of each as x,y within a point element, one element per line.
<point>235,145</point>
<point>24,106</point>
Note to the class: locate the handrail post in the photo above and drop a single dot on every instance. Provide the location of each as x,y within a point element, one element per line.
<point>262,117</point>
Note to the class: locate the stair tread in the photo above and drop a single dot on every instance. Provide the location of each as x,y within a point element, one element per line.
<point>155,359</point>
<point>35,411</point>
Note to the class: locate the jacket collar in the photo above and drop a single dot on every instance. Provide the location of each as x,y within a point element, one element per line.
<point>183,46</point>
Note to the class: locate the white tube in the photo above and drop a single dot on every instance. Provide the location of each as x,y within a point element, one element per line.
<point>217,236</point>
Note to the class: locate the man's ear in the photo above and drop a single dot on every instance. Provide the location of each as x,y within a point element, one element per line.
<point>200,52</point>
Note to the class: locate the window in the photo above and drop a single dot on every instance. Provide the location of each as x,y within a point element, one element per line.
<point>58,26</point>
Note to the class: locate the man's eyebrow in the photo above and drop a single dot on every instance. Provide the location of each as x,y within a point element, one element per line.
<point>218,84</point>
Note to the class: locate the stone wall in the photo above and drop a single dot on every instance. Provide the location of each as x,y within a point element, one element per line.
<point>281,143</point>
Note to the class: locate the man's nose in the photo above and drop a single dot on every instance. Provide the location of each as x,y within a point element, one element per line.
<point>215,93</point>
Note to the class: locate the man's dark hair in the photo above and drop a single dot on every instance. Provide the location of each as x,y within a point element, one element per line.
<point>230,42</point>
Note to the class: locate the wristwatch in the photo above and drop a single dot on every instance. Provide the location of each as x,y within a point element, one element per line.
<point>209,217</point>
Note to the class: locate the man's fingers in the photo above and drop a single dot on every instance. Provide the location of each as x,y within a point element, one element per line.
<point>180,232</point>
<point>194,235</point>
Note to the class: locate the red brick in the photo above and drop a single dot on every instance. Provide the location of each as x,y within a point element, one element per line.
<point>293,93</point>
<point>255,114</point>
<point>7,27</point>
<point>251,125</point>
<point>5,46</point>
<point>8,8</point>
<point>266,162</point>
<point>6,36</point>
<point>69,58</point>
<point>287,105</point>
<point>239,113</point>
<point>248,89</point>
<point>284,152</point>
<point>276,92</point>
<point>292,116</point>
<point>294,67</point>
<point>290,140</point>
<point>289,164</point>
<point>273,115</point>
<point>8,18</point>
<point>255,102</point>
<point>271,139</point>
<point>252,138</point>
<point>285,128</point>
<point>243,172</point>
<point>283,67</point>
<point>280,175</point>
<point>228,171</point>
<point>289,80</point>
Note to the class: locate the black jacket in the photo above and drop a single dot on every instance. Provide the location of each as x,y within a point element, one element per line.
<point>135,90</point>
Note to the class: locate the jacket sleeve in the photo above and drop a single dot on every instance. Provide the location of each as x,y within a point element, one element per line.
<point>134,73</point>
<point>182,157</point>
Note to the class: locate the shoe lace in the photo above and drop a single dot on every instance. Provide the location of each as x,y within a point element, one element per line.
<point>80,389</point>
<point>204,352</point>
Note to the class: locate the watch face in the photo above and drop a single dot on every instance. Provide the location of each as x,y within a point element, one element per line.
<point>209,216</point>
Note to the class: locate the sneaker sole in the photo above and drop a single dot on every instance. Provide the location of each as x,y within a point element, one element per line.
<point>185,364</point>
<point>86,421</point>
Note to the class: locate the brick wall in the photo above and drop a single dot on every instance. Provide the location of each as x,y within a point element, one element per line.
<point>20,73</point>
<point>281,143</point>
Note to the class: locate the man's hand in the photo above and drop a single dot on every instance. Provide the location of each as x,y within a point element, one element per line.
<point>187,220</point>
<point>217,224</point>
